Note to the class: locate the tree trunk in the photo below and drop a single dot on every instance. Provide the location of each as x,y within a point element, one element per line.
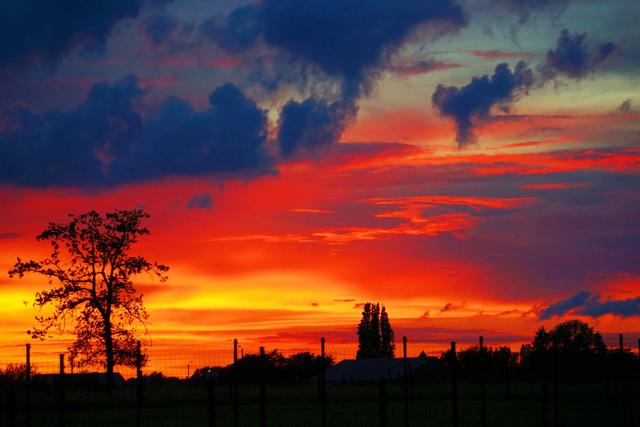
<point>108,344</point>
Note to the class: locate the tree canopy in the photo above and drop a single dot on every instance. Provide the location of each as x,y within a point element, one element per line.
<point>375,335</point>
<point>90,272</point>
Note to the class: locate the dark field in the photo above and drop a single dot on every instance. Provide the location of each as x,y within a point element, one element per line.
<point>182,404</point>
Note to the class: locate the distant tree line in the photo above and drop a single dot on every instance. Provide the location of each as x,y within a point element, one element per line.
<point>573,350</point>
<point>277,368</point>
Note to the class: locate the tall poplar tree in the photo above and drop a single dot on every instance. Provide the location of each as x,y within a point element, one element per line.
<point>375,335</point>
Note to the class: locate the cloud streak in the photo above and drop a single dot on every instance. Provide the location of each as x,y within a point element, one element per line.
<point>593,305</point>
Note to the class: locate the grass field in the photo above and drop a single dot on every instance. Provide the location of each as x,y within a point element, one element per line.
<point>349,405</point>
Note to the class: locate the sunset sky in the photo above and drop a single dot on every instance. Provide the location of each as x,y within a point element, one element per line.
<point>473,165</point>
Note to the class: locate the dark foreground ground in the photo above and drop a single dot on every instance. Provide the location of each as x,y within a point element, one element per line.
<point>348,405</point>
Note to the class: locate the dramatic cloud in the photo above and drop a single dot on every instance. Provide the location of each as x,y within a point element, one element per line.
<point>200,201</point>
<point>564,306</point>
<point>472,104</point>
<point>160,28</point>
<point>573,58</point>
<point>591,304</point>
<point>41,31</point>
<point>347,39</point>
<point>237,31</point>
<point>229,136</point>
<point>313,123</point>
<point>104,140</point>
<point>73,147</point>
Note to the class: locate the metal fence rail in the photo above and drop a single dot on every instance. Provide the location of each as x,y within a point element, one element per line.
<point>197,389</point>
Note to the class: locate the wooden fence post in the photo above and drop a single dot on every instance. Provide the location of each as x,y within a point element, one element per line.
<point>454,385</point>
<point>483,401</point>
<point>211,400</point>
<point>138,384</point>
<point>263,391</point>
<point>235,383</point>
<point>625,387</point>
<point>383,402</point>
<point>556,398</point>
<point>10,408</point>
<point>406,381</point>
<point>27,385</point>
<point>61,380</point>
<point>545,392</point>
<point>507,378</point>
<point>323,385</point>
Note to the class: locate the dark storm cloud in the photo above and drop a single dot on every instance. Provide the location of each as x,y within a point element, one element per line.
<point>105,141</point>
<point>347,39</point>
<point>237,31</point>
<point>313,123</point>
<point>160,28</point>
<point>472,104</point>
<point>591,304</point>
<point>596,307</point>
<point>229,136</point>
<point>200,201</point>
<point>561,307</point>
<point>42,31</point>
<point>71,148</point>
<point>573,57</point>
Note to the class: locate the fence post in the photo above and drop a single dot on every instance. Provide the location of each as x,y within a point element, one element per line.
<point>10,406</point>
<point>138,384</point>
<point>625,387</point>
<point>507,378</point>
<point>556,399</point>
<point>545,393</point>
<point>406,381</point>
<point>454,385</point>
<point>61,416</point>
<point>263,391</point>
<point>383,402</point>
<point>235,383</point>
<point>483,401</point>
<point>27,385</point>
<point>211,400</point>
<point>323,385</point>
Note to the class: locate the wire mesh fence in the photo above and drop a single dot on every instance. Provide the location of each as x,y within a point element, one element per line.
<point>265,387</point>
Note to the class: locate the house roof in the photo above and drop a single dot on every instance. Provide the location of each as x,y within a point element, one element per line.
<point>371,369</point>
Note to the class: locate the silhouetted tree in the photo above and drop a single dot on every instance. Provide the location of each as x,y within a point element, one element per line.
<point>306,365</point>
<point>277,368</point>
<point>375,335</point>
<point>364,334</point>
<point>493,362</point>
<point>387,336</point>
<point>573,344</point>
<point>16,372</point>
<point>90,269</point>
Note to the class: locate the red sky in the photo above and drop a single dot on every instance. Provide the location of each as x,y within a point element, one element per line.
<point>454,243</point>
<point>420,165</point>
